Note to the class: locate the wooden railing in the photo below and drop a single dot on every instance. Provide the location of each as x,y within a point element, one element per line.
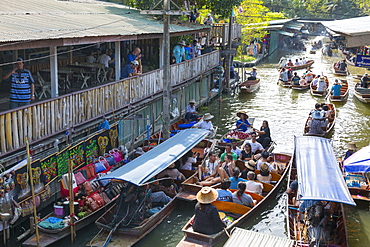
<point>53,116</point>
<point>221,32</point>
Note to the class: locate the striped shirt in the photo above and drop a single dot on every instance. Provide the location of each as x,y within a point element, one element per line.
<point>21,86</point>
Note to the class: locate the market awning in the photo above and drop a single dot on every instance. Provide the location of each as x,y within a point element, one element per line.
<point>159,158</point>
<point>359,161</point>
<point>319,174</point>
<point>285,33</point>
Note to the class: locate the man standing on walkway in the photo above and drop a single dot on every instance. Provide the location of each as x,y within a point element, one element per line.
<point>23,85</point>
<point>179,51</point>
<point>106,60</point>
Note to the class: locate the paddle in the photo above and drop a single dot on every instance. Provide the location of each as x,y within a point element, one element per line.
<point>227,234</point>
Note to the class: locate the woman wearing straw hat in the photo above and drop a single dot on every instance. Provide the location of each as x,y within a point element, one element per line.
<point>253,74</point>
<point>207,219</point>
<point>205,123</point>
<point>242,124</point>
<point>191,112</point>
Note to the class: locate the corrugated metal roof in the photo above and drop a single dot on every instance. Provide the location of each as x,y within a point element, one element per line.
<point>245,238</point>
<point>352,27</point>
<point>51,19</point>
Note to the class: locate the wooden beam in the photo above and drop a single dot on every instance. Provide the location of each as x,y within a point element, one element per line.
<point>164,12</point>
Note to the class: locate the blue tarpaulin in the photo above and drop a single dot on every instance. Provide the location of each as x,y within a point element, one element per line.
<point>319,174</point>
<point>359,161</point>
<point>159,158</point>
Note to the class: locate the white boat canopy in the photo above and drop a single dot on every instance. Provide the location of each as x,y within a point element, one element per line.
<point>146,166</point>
<point>319,174</point>
<point>359,161</point>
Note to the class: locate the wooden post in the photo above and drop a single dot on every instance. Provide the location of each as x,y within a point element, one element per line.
<point>117,50</point>
<point>54,71</point>
<point>32,191</point>
<point>71,200</point>
<point>229,60</point>
<point>166,73</point>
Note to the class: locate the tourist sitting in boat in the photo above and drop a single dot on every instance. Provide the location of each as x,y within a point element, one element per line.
<point>172,172</point>
<point>309,75</point>
<point>316,124</point>
<point>327,113</point>
<point>335,89</point>
<point>234,147</point>
<point>365,81</point>
<point>167,186</point>
<point>317,108</point>
<point>243,124</point>
<point>304,61</point>
<point>321,85</point>
<point>297,63</point>
<point>235,179</point>
<point>206,219</point>
<point>228,151</point>
<point>246,154</point>
<point>352,148</point>
<point>252,185</point>
<point>242,198</point>
<point>210,167</point>
<point>223,171</point>
<point>296,79</point>
<point>205,123</point>
<point>290,63</point>
<point>264,175</point>
<point>256,146</point>
<point>191,159</point>
<point>342,65</point>
<point>139,151</point>
<point>265,159</point>
<point>224,194</point>
<point>290,73</point>
<point>315,81</point>
<point>253,74</point>
<point>283,75</point>
<point>264,137</point>
<point>250,166</point>
<point>191,112</point>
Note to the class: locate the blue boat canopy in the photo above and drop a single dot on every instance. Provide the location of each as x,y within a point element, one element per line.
<point>159,158</point>
<point>359,161</point>
<point>319,175</point>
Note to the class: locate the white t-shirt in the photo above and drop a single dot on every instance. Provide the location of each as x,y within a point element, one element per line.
<point>204,125</point>
<point>321,85</point>
<point>237,151</point>
<point>254,187</point>
<point>255,145</point>
<point>189,163</point>
<point>211,166</point>
<point>104,59</point>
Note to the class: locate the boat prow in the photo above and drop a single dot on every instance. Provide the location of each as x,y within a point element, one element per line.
<point>249,86</point>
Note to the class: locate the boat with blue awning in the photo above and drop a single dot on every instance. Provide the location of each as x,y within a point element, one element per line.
<point>315,208</point>
<point>123,222</point>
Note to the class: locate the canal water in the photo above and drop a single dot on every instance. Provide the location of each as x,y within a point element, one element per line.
<point>286,110</point>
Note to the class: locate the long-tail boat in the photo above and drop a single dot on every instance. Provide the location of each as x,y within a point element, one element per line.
<point>193,238</point>
<point>322,189</point>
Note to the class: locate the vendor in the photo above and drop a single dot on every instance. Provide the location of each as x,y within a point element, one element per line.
<point>242,124</point>
<point>352,148</point>
<point>206,219</point>
<point>264,134</point>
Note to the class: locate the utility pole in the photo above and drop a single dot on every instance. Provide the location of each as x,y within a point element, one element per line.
<point>166,12</point>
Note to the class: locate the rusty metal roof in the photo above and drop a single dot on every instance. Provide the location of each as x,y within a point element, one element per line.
<point>246,238</point>
<point>29,20</point>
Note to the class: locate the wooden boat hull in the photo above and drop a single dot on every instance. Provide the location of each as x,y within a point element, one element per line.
<point>362,95</point>
<point>295,228</point>
<point>300,88</point>
<point>192,238</point>
<point>314,92</point>
<point>249,86</point>
<point>339,72</point>
<point>49,237</point>
<point>330,126</point>
<point>287,84</point>
<point>130,235</point>
<point>343,93</point>
<point>304,66</point>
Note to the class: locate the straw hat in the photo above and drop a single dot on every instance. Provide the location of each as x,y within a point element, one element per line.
<point>207,195</point>
<point>251,165</point>
<point>139,150</point>
<point>192,101</point>
<point>264,167</point>
<point>317,115</point>
<point>254,68</point>
<point>182,43</point>
<point>241,112</point>
<point>207,116</point>
<point>351,146</point>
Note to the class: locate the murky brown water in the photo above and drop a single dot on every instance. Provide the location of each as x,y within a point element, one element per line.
<point>286,111</point>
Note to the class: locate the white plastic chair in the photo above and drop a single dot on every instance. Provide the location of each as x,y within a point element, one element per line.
<point>44,86</point>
